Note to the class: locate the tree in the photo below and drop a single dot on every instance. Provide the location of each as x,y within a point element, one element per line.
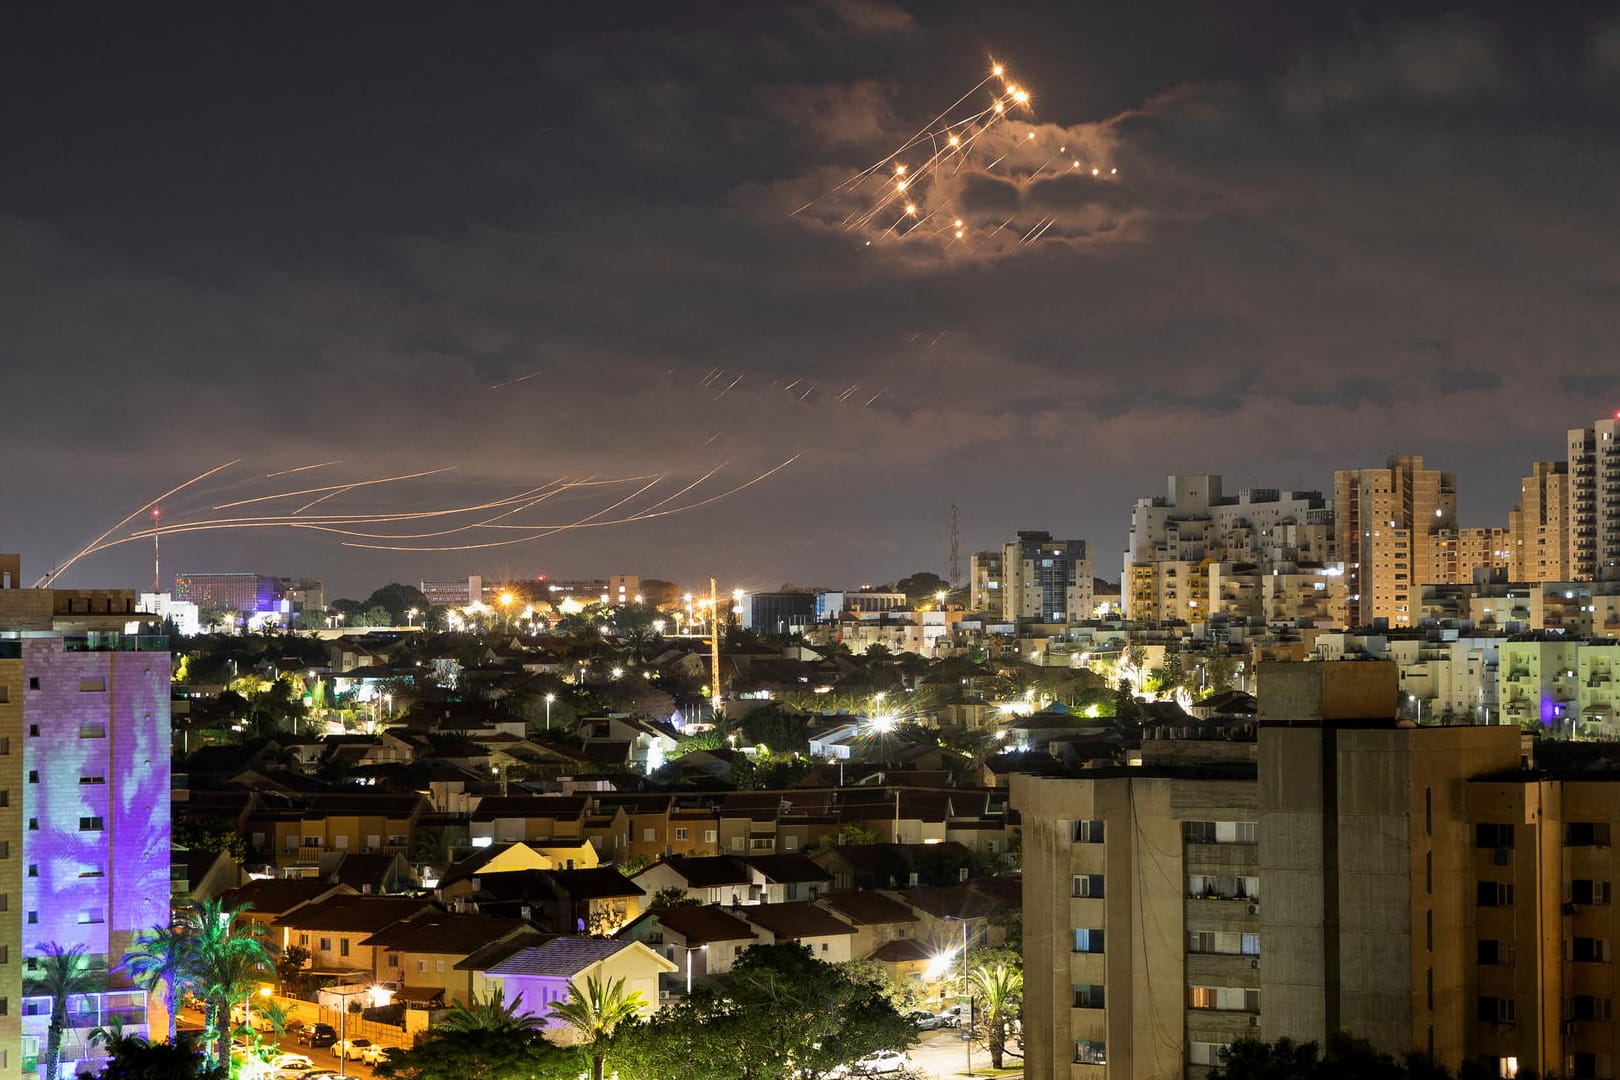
<point>201,833</point>
<point>595,1012</point>
<point>998,990</point>
<point>489,1014</point>
<point>131,1057</point>
<point>396,600</point>
<point>482,1055</point>
<point>782,1012</point>
<point>161,957</point>
<point>1346,1058</point>
<point>230,955</point>
<point>62,975</point>
<point>923,585</point>
<point>672,896</point>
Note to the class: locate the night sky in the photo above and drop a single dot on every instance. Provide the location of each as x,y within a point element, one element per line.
<point>329,232</point>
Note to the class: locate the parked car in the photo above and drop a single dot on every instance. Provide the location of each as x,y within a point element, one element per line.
<point>351,1049</point>
<point>376,1054</point>
<point>288,1059</point>
<point>923,1019</point>
<point>883,1061</point>
<point>316,1035</point>
<point>298,1070</point>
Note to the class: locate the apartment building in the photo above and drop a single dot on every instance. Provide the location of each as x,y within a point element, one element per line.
<point>84,800</point>
<point>1594,501</point>
<point>1046,580</point>
<point>1197,551</point>
<point>1539,524</point>
<point>985,580</point>
<point>1389,523</point>
<point>1328,884</point>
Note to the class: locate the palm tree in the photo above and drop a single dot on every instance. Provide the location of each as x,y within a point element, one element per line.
<point>489,1014</point>
<point>161,955</point>
<point>63,974</point>
<point>1000,990</point>
<point>595,1013</point>
<point>229,955</point>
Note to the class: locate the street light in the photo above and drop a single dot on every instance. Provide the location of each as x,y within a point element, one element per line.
<point>967,991</point>
<point>690,949</point>
<point>549,699</point>
<point>410,617</point>
<point>343,1024</point>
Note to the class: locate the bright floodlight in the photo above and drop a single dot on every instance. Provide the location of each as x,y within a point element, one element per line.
<point>882,722</point>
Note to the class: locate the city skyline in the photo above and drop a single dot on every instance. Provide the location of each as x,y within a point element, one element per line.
<point>518,244</point>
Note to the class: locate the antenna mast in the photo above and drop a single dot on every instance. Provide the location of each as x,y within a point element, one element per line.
<point>953,572</point>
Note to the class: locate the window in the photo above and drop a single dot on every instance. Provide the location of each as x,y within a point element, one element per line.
<point>91,824</point>
<point>1205,1053</point>
<point>33,918</point>
<point>1088,885</point>
<point>303,940</point>
<point>1223,998</point>
<point>1088,832</point>
<point>1587,1007</point>
<point>1487,835</point>
<point>92,731</point>
<point>649,835</point>
<point>421,967</point>
<point>92,915</point>
<point>1251,944</point>
<point>1087,1052</point>
<point>33,729</point>
<point>1586,834</point>
<point>1088,941</point>
<point>1088,996</point>
<point>324,944</point>
<point>33,682</point>
<point>92,779</point>
<point>708,836</point>
<point>1495,894</point>
<point>92,872</point>
<point>438,965</point>
<point>33,776</point>
<point>343,946</point>
<point>1588,950</point>
<point>1494,1010</point>
<point>1491,951</point>
<point>680,834</point>
<point>1588,892</point>
<point>33,824</point>
<point>93,686</point>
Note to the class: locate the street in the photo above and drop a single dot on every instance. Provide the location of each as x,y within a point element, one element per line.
<point>942,1054</point>
<point>192,1020</point>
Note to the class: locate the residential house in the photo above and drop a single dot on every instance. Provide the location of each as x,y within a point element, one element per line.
<point>876,917</point>
<point>264,900</point>
<point>538,976</point>
<point>501,858</point>
<point>334,930</point>
<point>775,879</point>
<point>422,955</point>
<point>710,879</point>
<point>703,940</point>
<point>827,936</point>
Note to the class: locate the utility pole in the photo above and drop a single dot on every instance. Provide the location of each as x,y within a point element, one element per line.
<point>714,649</point>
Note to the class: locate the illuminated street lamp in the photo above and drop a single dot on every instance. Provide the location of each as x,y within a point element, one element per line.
<point>410,616</point>
<point>549,699</point>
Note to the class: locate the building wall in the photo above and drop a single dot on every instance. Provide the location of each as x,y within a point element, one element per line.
<point>94,840</point>
<point>1594,510</point>
<point>1538,525</point>
<point>1388,522</point>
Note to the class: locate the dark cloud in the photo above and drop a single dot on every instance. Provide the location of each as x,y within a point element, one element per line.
<point>1321,226</point>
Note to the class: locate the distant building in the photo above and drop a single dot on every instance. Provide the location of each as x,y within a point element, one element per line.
<point>184,613</point>
<point>1046,580</point>
<point>985,583</point>
<point>777,613</point>
<point>1178,541</point>
<point>1539,525</point>
<point>456,593</point>
<point>259,597</point>
<point>1391,523</point>
<point>1594,509</point>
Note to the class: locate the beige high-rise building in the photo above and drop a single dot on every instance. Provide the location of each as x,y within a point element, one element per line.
<point>1539,523</point>
<point>1425,888</point>
<point>985,583</point>
<point>1389,523</point>
<point>1594,501</point>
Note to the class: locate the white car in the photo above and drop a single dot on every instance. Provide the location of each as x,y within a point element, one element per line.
<point>884,1061</point>
<point>296,1070</point>
<point>289,1059</point>
<point>351,1049</point>
<point>376,1053</point>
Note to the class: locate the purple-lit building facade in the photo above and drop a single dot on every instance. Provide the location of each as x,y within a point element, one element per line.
<point>84,820</point>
